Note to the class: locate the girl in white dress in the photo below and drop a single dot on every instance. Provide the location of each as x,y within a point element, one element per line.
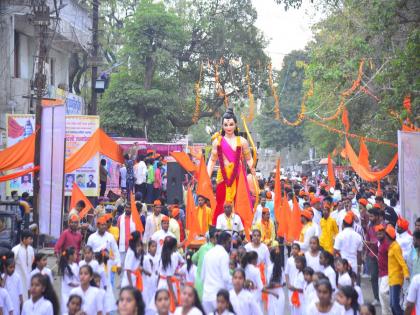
<point>312,255</point>
<point>43,299</point>
<point>74,304</point>
<point>133,260</point>
<point>97,278</point>
<point>241,299</point>
<point>150,277</point>
<point>40,266</point>
<point>104,270</point>
<point>275,276</point>
<point>190,302</point>
<point>13,284</point>
<point>69,270</point>
<point>167,267</point>
<point>290,270</point>
<point>224,307</point>
<point>297,298</point>
<point>253,275</point>
<point>325,304</point>
<point>343,270</point>
<point>309,292</point>
<point>326,259</point>
<point>89,259</point>
<point>188,270</point>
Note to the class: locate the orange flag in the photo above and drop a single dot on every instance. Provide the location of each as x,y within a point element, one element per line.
<point>285,216</point>
<point>184,160</point>
<point>364,154</point>
<point>243,206</point>
<point>345,119</point>
<point>331,176</point>
<point>278,204</point>
<point>204,186</point>
<point>295,225</point>
<point>76,195</point>
<point>135,214</point>
<point>191,223</point>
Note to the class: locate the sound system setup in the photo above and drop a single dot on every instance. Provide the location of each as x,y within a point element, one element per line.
<point>175,177</point>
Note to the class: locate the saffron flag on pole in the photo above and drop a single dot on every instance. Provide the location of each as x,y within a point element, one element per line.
<point>278,204</point>
<point>191,222</point>
<point>295,225</point>
<point>331,176</point>
<point>204,186</point>
<point>135,214</point>
<point>364,154</point>
<point>243,206</point>
<point>77,195</point>
<point>286,216</point>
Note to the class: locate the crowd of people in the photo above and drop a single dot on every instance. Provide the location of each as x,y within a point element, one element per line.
<point>105,266</point>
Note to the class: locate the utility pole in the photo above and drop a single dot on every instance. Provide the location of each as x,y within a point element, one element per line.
<point>94,57</point>
<point>41,21</point>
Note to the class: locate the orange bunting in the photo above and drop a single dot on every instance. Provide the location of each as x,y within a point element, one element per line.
<point>135,214</point>
<point>273,92</point>
<point>363,172</point>
<point>345,120</point>
<point>19,154</point>
<point>76,195</point>
<point>364,154</point>
<point>19,174</point>
<point>407,103</point>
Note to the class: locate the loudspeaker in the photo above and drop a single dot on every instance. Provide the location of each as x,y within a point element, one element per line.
<point>175,178</point>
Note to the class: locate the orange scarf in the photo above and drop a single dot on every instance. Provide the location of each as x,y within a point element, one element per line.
<point>139,279</point>
<point>295,299</point>
<point>264,281</point>
<point>177,283</point>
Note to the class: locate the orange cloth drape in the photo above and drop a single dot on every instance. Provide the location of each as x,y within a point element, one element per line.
<point>345,119</point>
<point>204,186</point>
<point>98,142</point>
<point>76,195</point>
<point>295,225</point>
<point>261,266</point>
<point>139,279</point>
<point>135,214</point>
<point>184,160</point>
<point>286,214</point>
<point>19,154</point>
<point>243,206</point>
<point>364,173</point>
<point>364,154</point>
<point>191,222</point>
<point>295,299</point>
<point>282,224</point>
<point>18,174</point>
<point>331,176</point>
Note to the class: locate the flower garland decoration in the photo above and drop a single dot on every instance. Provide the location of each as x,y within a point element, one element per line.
<point>273,92</point>
<point>229,180</point>
<point>217,85</point>
<point>301,115</point>
<point>250,117</point>
<point>197,111</point>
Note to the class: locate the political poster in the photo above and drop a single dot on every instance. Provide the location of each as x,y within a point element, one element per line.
<point>79,129</point>
<point>409,174</point>
<point>19,127</point>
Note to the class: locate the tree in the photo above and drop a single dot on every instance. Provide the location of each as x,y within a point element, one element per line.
<point>164,50</point>
<point>290,81</point>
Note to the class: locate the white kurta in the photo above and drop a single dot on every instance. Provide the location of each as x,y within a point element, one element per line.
<point>252,273</point>
<point>5,301</point>
<point>153,224</point>
<point>215,272</point>
<point>106,241</point>
<point>313,261</point>
<point>159,238</point>
<point>109,298</point>
<point>92,299</point>
<point>24,257</point>
<point>45,271</point>
<point>93,264</point>
<point>150,264</point>
<point>131,264</point>
<point>67,284</point>
<point>244,303</point>
<point>40,307</point>
<point>14,286</point>
<point>275,304</point>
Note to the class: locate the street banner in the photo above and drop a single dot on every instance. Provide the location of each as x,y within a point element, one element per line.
<point>19,127</point>
<point>409,174</point>
<point>79,129</point>
<point>52,169</point>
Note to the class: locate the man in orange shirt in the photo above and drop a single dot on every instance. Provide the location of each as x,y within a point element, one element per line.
<point>204,215</point>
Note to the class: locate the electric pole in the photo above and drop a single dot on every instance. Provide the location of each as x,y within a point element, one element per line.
<point>41,21</point>
<point>94,57</point>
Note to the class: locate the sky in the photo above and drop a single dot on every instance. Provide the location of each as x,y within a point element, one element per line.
<point>286,30</point>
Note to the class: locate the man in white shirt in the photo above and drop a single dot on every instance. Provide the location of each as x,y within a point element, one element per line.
<point>229,221</point>
<point>125,226</point>
<point>413,296</point>
<point>102,239</point>
<point>309,229</point>
<point>348,243</point>
<point>258,211</point>
<point>160,235</point>
<point>215,271</point>
<point>140,172</point>
<point>153,221</point>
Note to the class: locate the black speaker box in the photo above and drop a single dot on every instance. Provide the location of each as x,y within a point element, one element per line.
<point>176,176</point>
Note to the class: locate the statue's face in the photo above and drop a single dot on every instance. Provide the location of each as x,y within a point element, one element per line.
<point>229,126</point>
